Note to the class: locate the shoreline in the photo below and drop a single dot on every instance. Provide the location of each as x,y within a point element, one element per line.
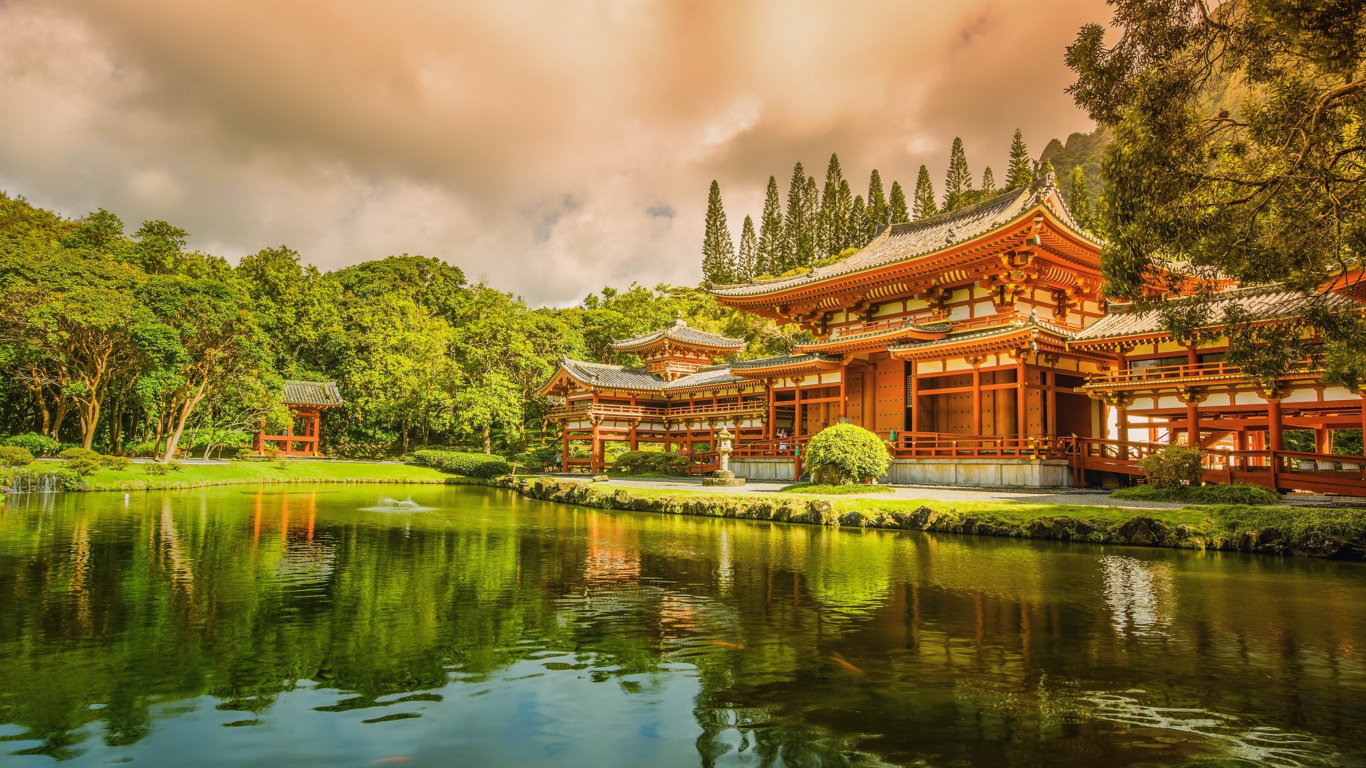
<point>1139,529</point>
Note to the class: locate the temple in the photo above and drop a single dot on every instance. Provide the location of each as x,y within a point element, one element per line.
<point>306,401</point>
<point>977,343</point>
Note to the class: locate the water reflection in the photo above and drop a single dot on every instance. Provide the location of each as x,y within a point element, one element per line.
<point>319,627</point>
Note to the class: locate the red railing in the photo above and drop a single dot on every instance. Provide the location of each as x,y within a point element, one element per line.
<point>1161,373</point>
<point>609,410</point>
<point>935,445</point>
<point>1278,470</point>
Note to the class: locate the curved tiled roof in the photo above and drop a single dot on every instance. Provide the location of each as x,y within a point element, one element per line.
<point>681,332</point>
<point>886,332</point>
<point>985,333</point>
<point>612,376</point>
<point>902,242</point>
<point>782,361</point>
<point>1261,302</point>
<point>317,393</point>
<point>715,376</point>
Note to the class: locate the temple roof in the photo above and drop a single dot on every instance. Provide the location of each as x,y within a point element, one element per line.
<point>782,362</point>
<point>903,242</point>
<point>885,333</point>
<point>611,376</point>
<point>323,394</point>
<point>681,332</point>
<point>715,376</point>
<point>988,333</point>
<point>1262,302</point>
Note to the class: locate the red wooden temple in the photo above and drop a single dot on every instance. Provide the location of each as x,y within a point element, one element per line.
<point>306,401</point>
<point>977,343</point>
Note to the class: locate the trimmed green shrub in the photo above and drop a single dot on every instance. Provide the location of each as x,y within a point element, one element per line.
<point>83,465</point>
<point>348,448</point>
<point>846,453</point>
<point>538,459</point>
<point>1174,466</point>
<point>155,469</point>
<point>1249,495</point>
<point>105,462</point>
<point>14,456</point>
<point>640,462</point>
<point>34,443</point>
<point>481,465</point>
<point>175,466</point>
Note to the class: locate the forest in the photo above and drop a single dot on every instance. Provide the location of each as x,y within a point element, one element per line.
<point>136,344</point>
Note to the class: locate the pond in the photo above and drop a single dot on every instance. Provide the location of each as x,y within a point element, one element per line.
<point>466,626</point>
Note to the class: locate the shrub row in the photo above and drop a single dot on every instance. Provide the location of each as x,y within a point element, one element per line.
<point>1252,495</point>
<point>14,456</point>
<point>481,465</point>
<point>637,462</point>
<point>34,443</point>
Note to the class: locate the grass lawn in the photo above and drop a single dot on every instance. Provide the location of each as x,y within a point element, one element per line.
<point>834,490</point>
<point>252,472</point>
<point>1012,512</point>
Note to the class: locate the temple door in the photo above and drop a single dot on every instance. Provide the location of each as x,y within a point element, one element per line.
<point>853,396</point>
<point>890,398</point>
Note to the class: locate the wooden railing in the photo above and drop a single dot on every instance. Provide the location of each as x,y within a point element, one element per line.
<point>1162,373</point>
<point>934,445</point>
<point>1277,470</point>
<point>688,410</point>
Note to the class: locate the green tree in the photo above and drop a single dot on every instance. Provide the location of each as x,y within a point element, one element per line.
<point>924,195</point>
<point>1081,198</point>
<point>771,251</point>
<point>958,179</point>
<point>1020,172</point>
<point>988,185</point>
<point>1269,191</point>
<point>747,258</point>
<point>429,282</point>
<point>294,306</point>
<point>833,216</point>
<point>858,224</point>
<point>896,205</point>
<point>807,246</point>
<point>877,206</point>
<point>718,250</point>
<point>796,227</point>
<point>501,362</point>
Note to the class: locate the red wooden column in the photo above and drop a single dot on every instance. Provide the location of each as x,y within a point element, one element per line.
<point>772,411</point>
<point>1363,422</point>
<point>914,403</point>
<point>564,452</point>
<point>1021,404</point>
<point>1193,423</point>
<point>595,462</point>
<point>844,378</point>
<point>797,412</point>
<point>1052,401</point>
<point>976,395</point>
<point>1122,424</point>
<point>1273,422</point>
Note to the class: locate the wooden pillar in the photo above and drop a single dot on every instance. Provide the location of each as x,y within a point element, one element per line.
<point>1192,423</point>
<point>844,378</point>
<point>976,395</point>
<point>564,451</point>
<point>797,413</point>
<point>1273,423</point>
<point>1021,416</point>
<point>595,455</point>
<point>772,411</point>
<point>1122,425</point>
<point>1323,440</point>
<point>1363,423</point>
<point>1052,401</point>
<point>914,404</point>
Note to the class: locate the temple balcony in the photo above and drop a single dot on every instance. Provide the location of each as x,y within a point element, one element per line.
<point>1175,376</point>
<point>670,412</point>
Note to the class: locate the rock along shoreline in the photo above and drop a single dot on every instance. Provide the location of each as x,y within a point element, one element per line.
<point>1137,531</point>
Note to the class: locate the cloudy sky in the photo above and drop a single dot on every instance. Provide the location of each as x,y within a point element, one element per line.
<point>550,147</point>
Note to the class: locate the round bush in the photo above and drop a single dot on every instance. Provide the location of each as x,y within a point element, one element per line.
<point>14,456</point>
<point>1174,466</point>
<point>83,465</point>
<point>34,443</point>
<point>844,454</point>
<point>79,453</point>
<point>155,469</point>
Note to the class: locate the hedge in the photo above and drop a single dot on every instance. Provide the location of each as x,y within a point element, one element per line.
<point>638,462</point>
<point>482,465</point>
<point>34,443</point>
<point>1252,495</point>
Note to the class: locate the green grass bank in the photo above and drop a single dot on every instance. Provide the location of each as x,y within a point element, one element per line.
<point>133,478</point>
<point>1295,531</point>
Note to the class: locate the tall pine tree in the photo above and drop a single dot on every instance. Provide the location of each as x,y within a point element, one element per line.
<point>795,225</point>
<point>877,206</point>
<point>718,250</point>
<point>896,204</point>
<point>747,257</point>
<point>1081,198</point>
<point>924,195</point>
<point>844,204</point>
<point>770,233</point>
<point>958,180</point>
<point>834,213</point>
<point>988,185</point>
<point>858,224</point>
<point>806,247</point>
<point>1020,174</point>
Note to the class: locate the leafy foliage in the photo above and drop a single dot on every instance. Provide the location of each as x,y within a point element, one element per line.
<point>1174,466</point>
<point>34,443</point>
<point>14,456</point>
<point>1254,495</point>
<point>640,462</point>
<point>848,453</point>
<point>481,465</point>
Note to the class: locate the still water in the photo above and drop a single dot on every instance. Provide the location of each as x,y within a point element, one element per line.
<point>470,627</point>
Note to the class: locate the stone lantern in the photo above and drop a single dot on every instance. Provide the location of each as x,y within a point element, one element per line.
<point>723,477</point>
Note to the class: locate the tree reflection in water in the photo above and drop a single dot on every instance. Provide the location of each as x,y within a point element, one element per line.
<point>502,631</point>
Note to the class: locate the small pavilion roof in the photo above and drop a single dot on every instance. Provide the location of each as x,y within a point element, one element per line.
<point>680,332</point>
<point>988,337</point>
<point>911,240</point>
<point>605,376</point>
<point>1262,302</point>
<point>875,337</point>
<point>713,376</point>
<point>320,394</point>
<point>784,364</point>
